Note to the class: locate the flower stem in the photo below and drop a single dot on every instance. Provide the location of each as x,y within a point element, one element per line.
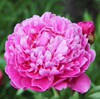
<point>56,93</point>
<point>19,92</point>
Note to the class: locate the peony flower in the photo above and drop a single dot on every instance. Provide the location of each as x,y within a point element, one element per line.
<point>48,52</point>
<point>88,28</point>
<point>1,76</point>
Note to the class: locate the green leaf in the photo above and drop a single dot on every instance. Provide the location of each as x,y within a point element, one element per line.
<point>2,63</point>
<point>94,90</point>
<point>98,23</point>
<point>87,16</point>
<point>56,93</point>
<point>75,96</point>
<point>95,95</point>
<point>19,92</point>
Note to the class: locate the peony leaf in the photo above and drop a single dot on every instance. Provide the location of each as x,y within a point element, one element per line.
<point>75,96</point>
<point>95,95</point>
<point>94,90</point>
<point>87,16</point>
<point>2,63</point>
<point>19,92</point>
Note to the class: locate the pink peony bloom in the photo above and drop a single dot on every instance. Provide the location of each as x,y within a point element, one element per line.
<point>48,51</point>
<point>1,76</point>
<point>88,28</point>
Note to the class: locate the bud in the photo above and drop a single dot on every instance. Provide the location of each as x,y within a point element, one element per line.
<point>88,28</point>
<point>1,76</point>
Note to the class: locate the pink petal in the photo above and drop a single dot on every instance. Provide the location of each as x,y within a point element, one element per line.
<point>36,88</point>
<point>23,41</point>
<point>33,75</point>
<point>14,76</point>
<point>57,80</point>
<point>62,48</point>
<point>44,39</point>
<point>47,16</point>
<point>93,54</point>
<point>70,72</point>
<point>13,85</point>
<point>84,41</point>
<point>87,63</point>
<point>61,86</point>
<point>54,71</point>
<point>26,82</point>
<point>44,72</point>
<point>48,55</point>
<point>42,84</point>
<point>80,84</point>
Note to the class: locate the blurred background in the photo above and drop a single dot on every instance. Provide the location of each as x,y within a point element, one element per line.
<point>15,11</point>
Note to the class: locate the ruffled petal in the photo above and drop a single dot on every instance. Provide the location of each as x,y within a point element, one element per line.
<point>14,76</point>
<point>26,82</point>
<point>42,84</point>
<point>61,86</point>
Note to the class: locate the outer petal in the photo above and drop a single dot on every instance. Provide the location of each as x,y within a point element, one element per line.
<point>42,84</point>
<point>14,76</point>
<point>47,16</point>
<point>26,82</point>
<point>80,83</point>
<point>71,72</point>
<point>1,76</point>
<point>61,86</point>
<point>93,54</point>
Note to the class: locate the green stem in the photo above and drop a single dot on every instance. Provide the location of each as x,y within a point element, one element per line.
<point>56,93</point>
<point>19,92</point>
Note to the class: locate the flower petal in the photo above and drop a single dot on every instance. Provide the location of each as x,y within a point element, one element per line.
<point>14,76</point>
<point>26,82</point>
<point>93,54</point>
<point>70,72</point>
<point>61,86</point>
<point>80,83</point>
<point>43,83</point>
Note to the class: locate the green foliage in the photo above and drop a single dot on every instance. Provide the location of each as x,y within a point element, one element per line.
<point>87,16</point>
<point>13,12</point>
<point>94,93</point>
<point>75,96</point>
